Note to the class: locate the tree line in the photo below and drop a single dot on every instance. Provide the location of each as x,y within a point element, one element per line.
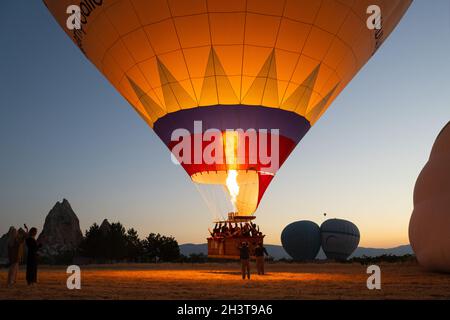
<point>116,244</point>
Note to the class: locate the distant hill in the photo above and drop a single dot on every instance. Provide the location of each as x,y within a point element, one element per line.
<point>374,252</point>
<point>278,252</point>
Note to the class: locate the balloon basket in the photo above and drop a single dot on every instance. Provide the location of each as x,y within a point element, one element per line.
<point>228,248</point>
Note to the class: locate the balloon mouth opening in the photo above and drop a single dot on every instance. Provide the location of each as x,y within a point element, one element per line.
<point>240,189</point>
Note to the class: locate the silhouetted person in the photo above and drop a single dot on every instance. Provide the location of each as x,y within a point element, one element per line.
<point>260,251</point>
<point>16,239</point>
<point>225,231</point>
<point>246,230</point>
<point>13,255</point>
<point>237,232</point>
<point>32,262</point>
<point>254,230</point>
<point>231,229</point>
<point>216,230</point>
<point>244,252</point>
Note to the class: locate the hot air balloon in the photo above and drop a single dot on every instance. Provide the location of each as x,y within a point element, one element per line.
<point>208,66</point>
<point>301,240</point>
<point>340,238</point>
<point>429,227</point>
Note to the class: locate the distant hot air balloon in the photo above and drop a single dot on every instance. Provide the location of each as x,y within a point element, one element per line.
<point>429,228</point>
<point>340,238</point>
<point>235,64</point>
<point>301,240</point>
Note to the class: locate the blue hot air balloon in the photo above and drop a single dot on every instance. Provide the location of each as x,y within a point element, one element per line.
<point>301,240</point>
<point>340,238</point>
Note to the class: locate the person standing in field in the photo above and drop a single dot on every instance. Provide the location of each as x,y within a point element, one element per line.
<point>260,253</point>
<point>244,252</point>
<point>13,256</point>
<point>16,240</point>
<point>32,257</point>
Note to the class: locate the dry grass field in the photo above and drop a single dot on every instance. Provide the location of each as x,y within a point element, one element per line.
<point>223,281</point>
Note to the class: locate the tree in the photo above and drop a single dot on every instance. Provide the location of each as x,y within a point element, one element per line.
<point>93,243</point>
<point>111,245</point>
<point>151,246</point>
<point>117,242</point>
<point>161,247</point>
<point>170,251</point>
<point>135,248</point>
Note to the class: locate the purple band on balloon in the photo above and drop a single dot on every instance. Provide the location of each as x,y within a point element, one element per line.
<point>221,117</point>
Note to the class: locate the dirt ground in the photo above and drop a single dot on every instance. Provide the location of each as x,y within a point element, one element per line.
<point>223,281</point>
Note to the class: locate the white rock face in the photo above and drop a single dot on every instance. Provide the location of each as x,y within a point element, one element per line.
<point>429,227</point>
<point>61,230</point>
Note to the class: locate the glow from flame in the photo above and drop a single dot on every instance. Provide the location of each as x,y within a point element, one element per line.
<point>233,186</point>
<point>231,138</point>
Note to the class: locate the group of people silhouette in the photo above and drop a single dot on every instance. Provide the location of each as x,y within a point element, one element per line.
<point>17,240</point>
<point>229,229</point>
<point>244,255</point>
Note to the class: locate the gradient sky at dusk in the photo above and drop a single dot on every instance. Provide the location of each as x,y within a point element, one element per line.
<point>66,133</point>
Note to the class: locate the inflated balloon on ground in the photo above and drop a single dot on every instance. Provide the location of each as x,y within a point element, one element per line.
<point>429,227</point>
<point>340,238</point>
<point>301,240</point>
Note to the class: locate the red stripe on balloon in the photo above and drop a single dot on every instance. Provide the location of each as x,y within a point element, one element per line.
<point>265,173</point>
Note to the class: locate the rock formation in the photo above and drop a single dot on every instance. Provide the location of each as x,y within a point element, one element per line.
<point>105,227</point>
<point>61,232</point>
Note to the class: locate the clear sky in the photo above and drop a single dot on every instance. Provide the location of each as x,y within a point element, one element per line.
<point>66,133</point>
